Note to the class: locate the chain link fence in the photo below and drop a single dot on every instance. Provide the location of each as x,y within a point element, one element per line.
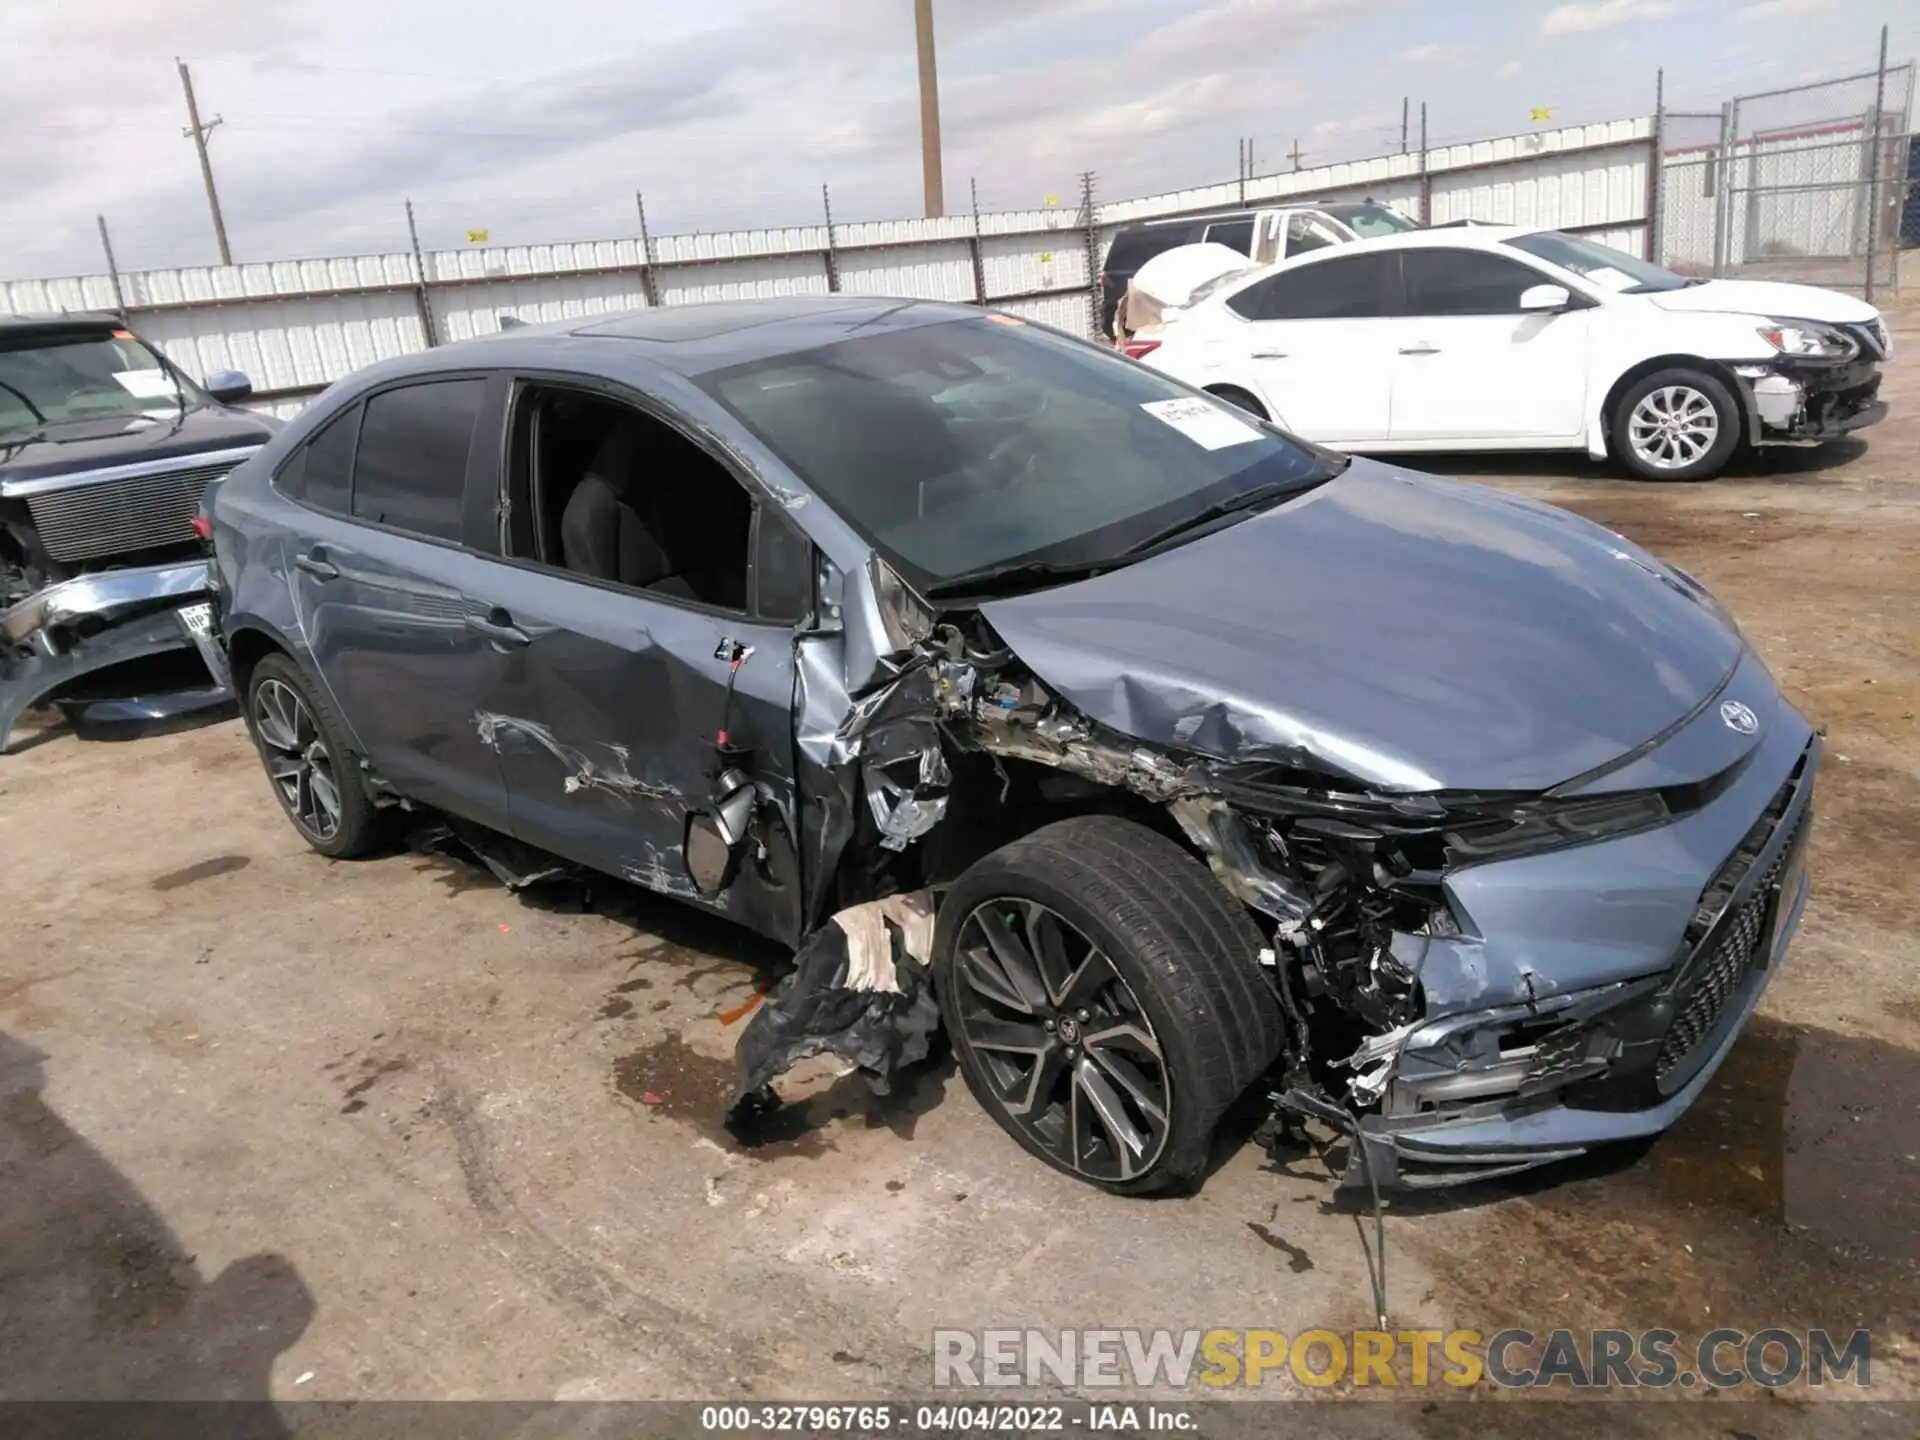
<point>1806,184</point>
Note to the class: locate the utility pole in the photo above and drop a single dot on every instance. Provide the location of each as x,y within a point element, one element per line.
<point>929,111</point>
<point>1404,103</point>
<point>198,134</point>
<point>1295,153</point>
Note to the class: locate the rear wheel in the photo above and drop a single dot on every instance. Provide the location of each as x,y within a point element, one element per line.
<point>1105,1000</point>
<point>303,746</point>
<point>1676,425</point>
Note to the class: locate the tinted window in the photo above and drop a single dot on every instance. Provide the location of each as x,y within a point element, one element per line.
<point>1237,234</point>
<point>411,468</point>
<point>1465,282</point>
<point>1133,248</point>
<point>1350,288</point>
<point>782,567</point>
<point>318,471</point>
<point>971,443</point>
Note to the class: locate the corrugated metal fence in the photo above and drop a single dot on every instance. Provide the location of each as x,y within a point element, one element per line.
<point>295,326</point>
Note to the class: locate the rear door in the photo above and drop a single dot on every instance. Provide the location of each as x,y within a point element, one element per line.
<point>1319,342</point>
<point>378,585</point>
<point>1470,365</point>
<point>608,717</point>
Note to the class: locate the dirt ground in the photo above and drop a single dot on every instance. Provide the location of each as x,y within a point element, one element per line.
<point>271,1125</point>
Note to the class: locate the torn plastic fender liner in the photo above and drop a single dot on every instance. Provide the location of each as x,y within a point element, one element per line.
<point>861,989</point>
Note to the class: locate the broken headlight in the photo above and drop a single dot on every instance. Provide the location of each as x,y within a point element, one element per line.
<point>1531,825</point>
<point>1809,340</point>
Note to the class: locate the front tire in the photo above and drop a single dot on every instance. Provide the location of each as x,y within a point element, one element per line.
<point>1105,1001</point>
<point>308,762</point>
<point>1677,424</point>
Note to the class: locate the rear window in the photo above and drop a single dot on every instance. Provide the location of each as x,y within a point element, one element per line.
<point>1133,248</point>
<point>1236,234</point>
<point>410,471</point>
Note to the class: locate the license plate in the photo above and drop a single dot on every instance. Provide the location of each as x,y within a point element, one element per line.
<point>197,619</point>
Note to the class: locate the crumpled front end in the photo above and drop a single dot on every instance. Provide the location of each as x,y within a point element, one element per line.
<point>112,642</point>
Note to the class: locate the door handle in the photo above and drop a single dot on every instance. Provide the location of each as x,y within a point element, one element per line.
<point>316,564</point>
<point>497,625</point>
<point>1423,348</point>
<point>1269,355</point>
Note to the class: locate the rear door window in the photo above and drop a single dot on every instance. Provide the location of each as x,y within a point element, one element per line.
<point>1234,234</point>
<point>1355,287</point>
<point>410,470</point>
<point>320,470</point>
<point>1465,282</point>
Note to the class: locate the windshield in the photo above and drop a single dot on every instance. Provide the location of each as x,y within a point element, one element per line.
<point>967,444</point>
<point>1598,264</point>
<point>53,378</point>
<point>1369,219</point>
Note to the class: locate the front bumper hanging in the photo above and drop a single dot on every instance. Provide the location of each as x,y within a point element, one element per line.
<point>89,625</point>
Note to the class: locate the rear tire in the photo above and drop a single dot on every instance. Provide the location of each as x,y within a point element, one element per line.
<point>1235,396</point>
<point>309,764</point>
<point>1677,424</point>
<point>1105,1001</point>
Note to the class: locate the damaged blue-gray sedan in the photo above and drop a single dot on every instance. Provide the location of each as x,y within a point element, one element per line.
<point>1151,754</point>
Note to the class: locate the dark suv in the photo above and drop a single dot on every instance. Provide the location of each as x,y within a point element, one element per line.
<point>105,452</point>
<point>1033,695</point>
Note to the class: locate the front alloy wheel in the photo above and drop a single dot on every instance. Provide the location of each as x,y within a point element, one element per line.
<point>1105,1000</point>
<point>1676,425</point>
<point>1068,1053</point>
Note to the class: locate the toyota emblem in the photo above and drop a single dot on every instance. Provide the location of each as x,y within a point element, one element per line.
<point>1739,718</point>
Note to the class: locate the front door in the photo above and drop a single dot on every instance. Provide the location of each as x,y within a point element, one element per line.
<point>609,718</point>
<point>1470,365</point>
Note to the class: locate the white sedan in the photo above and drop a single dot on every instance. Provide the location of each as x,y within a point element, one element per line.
<point>1498,338</point>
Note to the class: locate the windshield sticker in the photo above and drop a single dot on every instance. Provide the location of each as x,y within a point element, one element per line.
<point>145,384</point>
<point>1608,278</point>
<point>1203,422</point>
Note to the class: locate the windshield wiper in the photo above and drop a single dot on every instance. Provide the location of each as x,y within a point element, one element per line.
<point>1003,578</point>
<point>1258,497</point>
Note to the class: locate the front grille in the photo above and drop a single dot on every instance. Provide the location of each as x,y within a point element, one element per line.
<point>1715,978</point>
<point>1871,338</point>
<point>121,516</point>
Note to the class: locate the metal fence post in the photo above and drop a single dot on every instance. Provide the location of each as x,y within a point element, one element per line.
<point>1426,177</point>
<point>973,246</point>
<point>420,294</point>
<point>830,255</point>
<point>649,286</point>
<point>113,268</point>
<point>1091,234</point>
<point>1656,159</point>
<point>1873,164</point>
<point>1723,195</point>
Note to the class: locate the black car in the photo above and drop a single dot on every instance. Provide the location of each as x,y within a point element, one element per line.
<point>105,451</point>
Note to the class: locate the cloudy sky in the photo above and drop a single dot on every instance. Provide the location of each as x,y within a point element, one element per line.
<point>540,121</point>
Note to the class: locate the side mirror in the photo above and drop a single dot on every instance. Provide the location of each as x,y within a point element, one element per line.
<point>716,836</point>
<point>1546,297</point>
<point>229,387</point>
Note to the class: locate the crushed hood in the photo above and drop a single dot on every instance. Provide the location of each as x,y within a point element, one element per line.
<point>1413,633</point>
<point>1769,298</point>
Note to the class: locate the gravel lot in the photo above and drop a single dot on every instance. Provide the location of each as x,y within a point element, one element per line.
<point>275,1125</point>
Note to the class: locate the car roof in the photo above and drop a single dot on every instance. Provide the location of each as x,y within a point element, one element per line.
<point>59,320</point>
<point>687,340</point>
